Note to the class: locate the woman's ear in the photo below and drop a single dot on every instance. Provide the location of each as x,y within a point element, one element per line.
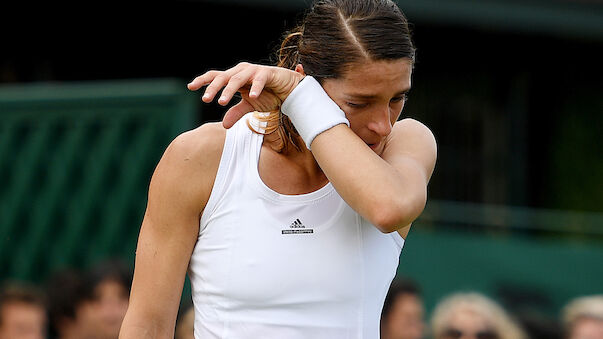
<point>300,69</point>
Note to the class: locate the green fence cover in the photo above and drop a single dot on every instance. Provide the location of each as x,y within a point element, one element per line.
<point>76,160</point>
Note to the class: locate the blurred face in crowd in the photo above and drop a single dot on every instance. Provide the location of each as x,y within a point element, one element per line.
<point>467,324</point>
<point>587,328</point>
<point>104,314</point>
<point>19,320</point>
<point>405,320</point>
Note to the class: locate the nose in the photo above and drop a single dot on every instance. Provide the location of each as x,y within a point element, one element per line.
<point>380,122</point>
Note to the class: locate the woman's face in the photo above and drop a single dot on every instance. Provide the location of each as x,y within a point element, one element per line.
<point>372,95</point>
<point>467,324</point>
<point>587,328</point>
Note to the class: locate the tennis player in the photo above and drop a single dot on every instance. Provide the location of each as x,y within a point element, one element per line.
<point>291,214</point>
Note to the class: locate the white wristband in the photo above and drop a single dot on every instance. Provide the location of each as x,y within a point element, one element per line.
<point>311,110</point>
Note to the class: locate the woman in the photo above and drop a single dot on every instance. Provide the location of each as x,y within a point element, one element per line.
<point>583,317</point>
<point>290,222</point>
<point>473,316</point>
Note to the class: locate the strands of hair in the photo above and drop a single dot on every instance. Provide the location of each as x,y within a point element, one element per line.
<point>352,37</point>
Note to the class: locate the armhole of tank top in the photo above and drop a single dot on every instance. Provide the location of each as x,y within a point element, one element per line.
<point>395,236</point>
<point>218,188</point>
<point>398,239</point>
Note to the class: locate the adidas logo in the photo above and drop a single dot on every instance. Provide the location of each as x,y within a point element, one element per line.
<point>297,224</point>
<point>297,227</point>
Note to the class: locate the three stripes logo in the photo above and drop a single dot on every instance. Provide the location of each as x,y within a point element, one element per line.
<point>297,224</point>
<point>297,227</point>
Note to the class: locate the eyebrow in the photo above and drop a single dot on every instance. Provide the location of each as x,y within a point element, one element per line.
<point>373,96</point>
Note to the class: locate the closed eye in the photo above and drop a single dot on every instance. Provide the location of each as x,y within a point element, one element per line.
<point>400,98</point>
<point>356,105</point>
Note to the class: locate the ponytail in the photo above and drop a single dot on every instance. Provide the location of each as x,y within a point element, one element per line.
<point>276,121</point>
<point>288,54</point>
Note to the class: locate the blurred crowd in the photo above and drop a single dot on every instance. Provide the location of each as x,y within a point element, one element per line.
<point>92,305</point>
<point>473,315</point>
<point>71,304</point>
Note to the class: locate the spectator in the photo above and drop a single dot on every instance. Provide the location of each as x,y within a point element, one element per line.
<point>22,312</point>
<point>583,318</point>
<point>69,313</point>
<point>473,316</point>
<point>89,305</point>
<point>107,290</point>
<point>402,316</point>
<point>185,327</point>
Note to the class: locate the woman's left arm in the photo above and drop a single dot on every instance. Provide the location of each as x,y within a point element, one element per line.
<point>389,190</point>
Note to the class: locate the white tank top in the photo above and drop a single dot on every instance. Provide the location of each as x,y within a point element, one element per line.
<point>268,265</point>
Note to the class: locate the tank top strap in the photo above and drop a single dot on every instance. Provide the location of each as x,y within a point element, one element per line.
<point>240,143</point>
<point>252,144</point>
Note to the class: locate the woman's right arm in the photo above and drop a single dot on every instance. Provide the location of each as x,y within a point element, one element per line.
<point>178,192</point>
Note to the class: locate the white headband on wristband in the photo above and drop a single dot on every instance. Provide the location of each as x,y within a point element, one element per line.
<point>311,110</point>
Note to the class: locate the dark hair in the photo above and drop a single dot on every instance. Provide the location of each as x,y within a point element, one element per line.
<point>399,287</point>
<point>111,269</point>
<point>69,288</point>
<point>20,292</point>
<point>65,290</point>
<point>335,34</point>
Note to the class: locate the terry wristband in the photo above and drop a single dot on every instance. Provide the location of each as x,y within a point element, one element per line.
<point>311,110</point>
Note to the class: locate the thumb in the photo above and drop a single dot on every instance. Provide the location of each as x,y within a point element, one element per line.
<point>235,113</point>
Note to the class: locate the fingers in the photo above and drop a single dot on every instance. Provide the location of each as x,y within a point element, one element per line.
<point>234,84</point>
<point>215,79</point>
<point>202,80</point>
<point>258,84</point>
<point>232,80</point>
<point>214,86</point>
<point>235,113</point>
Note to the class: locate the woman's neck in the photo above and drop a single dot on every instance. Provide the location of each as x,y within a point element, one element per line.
<point>289,171</point>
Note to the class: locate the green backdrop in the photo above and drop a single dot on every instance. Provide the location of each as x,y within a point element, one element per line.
<point>76,162</point>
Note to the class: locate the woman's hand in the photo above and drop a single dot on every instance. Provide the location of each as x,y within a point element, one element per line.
<point>263,88</point>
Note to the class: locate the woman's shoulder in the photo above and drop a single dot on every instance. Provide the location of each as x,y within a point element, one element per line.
<point>195,152</point>
<point>202,144</point>
<point>411,130</point>
<point>411,126</point>
<point>410,137</point>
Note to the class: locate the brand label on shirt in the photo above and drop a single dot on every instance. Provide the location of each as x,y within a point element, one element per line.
<point>297,227</point>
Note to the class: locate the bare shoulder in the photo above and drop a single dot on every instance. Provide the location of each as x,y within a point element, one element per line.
<point>412,139</point>
<point>189,164</point>
<point>410,134</point>
<point>200,146</point>
<point>414,129</point>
